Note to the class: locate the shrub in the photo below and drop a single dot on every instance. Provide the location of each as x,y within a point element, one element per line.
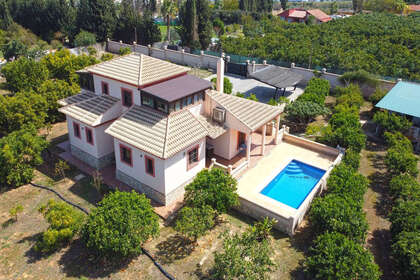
<point>352,159</point>
<point>312,97</point>
<point>14,211</point>
<point>20,152</point>
<point>347,137</point>
<point>397,139</point>
<point>107,56</point>
<point>124,51</point>
<point>346,182</point>
<point>24,74</point>
<point>377,95</point>
<point>334,213</point>
<point>359,76</point>
<point>227,85</point>
<point>84,39</point>
<point>405,251</point>
<point>318,86</point>
<point>243,257</point>
<point>400,161</point>
<point>120,224</point>
<point>333,256</point>
<point>405,217</point>
<point>344,119</point>
<point>252,97</point>
<point>304,111</point>
<point>65,222</point>
<point>194,222</point>
<point>214,188</point>
<point>351,97</point>
<point>405,187</point>
<point>391,122</point>
<point>92,51</point>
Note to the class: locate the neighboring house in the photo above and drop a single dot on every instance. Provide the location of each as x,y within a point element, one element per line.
<point>404,98</point>
<point>302,15</point>
<point>157,123</point>
<point>413,8</point>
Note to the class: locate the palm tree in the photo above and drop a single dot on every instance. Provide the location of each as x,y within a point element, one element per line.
<point>169,9</point>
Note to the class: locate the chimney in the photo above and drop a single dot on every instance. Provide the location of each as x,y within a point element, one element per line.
<point>220,75</point>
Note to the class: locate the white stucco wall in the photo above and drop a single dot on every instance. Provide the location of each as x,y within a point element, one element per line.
<point>176,172</point>
<point>102,143</point>
<point>115,88</point>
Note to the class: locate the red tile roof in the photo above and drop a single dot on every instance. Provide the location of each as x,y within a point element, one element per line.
<point>301,14</point>
<point>414,8</point>
<point>319,15</point>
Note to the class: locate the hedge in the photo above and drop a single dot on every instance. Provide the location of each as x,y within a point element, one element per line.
<point>405,217</point>
<point>405,251</point>
<point>405,187</point>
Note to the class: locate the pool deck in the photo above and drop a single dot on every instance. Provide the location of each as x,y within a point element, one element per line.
<point>258,176</point>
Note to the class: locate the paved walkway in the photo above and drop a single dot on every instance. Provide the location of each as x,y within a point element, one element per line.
<point>108,177</point>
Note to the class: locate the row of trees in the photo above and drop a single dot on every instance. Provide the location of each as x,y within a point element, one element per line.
<point>36,87</point>
<point>338,218</point>
<point>383,44</point>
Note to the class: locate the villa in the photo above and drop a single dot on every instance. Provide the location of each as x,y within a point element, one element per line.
<point>158,126</point>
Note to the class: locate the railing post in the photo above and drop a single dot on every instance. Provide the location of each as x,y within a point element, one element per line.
<point>213,162</point>
<point>230,168</point>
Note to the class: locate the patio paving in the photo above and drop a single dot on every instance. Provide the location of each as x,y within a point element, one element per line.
<point>108,177</point>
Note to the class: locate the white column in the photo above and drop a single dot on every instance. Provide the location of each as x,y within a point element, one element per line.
<point>276,136</point>
<point>248,147</point>
<point>264,132</point>
<point>220,75</point>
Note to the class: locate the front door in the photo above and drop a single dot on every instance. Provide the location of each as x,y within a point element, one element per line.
<point>241,140</point>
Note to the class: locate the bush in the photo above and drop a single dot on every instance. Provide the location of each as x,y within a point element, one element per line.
<point>65,222</point>
<point>405,187</point>
<point>344,119</point>
<point>312,97</point>
<point>333,256</point>
<point>405,252</point>
<point>405,217</point>
<point>214,188</point>
<point>24,74</point>
<point>120,224</point>
<point>351,96</point>
<point>124,51</point>
<point>352,159</point>
<point>334,213</point>
<point>227,85</point>
<point>20,152</point>
<point>107,56</point>
<point>252,97</point>
<point>195,222</point>
<point>316,90</point>
<point>400,161</point>
<point>14,211</point>
<point>304,111</point>
<point>84,39</point>
<point>391,122</point>
<point>397,139</point>
<point>360,77</point>
<point>243,257</point>
<point>377,95</point>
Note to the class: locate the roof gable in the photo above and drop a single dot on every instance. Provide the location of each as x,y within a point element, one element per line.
<point>137,69</point>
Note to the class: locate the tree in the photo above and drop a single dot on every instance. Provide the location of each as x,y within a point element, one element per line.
<point>283,4</point>
<point>397,139</point>
<point>349,96</point>
<point>98,17</point>
<point>227,85</point>
<point>14,49</point>
<point>377,95</point>
<point>218,27</point>
<point>333,8</point>
<point>195,30</point>
<point>304,111</point>
<point>334,213</point>
<point>148,31</point>
<point>405,187</point>
<point>5,17</point>
<point>333,256</point>
<point>65,222</point>
<point>24,74</point>
<point>352,159</point>
<point>214,188</point>
<point>60,169</point>
<point>405,252</point>
<point>20,152</point>
<point>169,10</point>
<point>128,20</point>
<point>345,136</point>
<point>14,211</point>
<point>392,6</point>
<point>84,39</point>
<point>391,122</point>
<point>194,222</point>
<point>405,217</point>
<point>400,161</point>
<point>245,256</point>
<point>120,224</point>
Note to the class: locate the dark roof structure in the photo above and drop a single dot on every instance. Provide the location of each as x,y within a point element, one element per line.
<point>177,88</point>
<point>277,77</point>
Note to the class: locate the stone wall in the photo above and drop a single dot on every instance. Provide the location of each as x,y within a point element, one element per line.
<point>92,161</point>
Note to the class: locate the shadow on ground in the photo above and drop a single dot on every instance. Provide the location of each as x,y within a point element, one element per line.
<point>78,262</point>
<point>381,247</point>
<point>175,247</point>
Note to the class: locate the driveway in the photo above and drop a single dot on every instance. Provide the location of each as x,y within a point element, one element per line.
<point>263,91</point>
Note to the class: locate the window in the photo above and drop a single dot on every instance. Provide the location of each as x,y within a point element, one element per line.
<point>127,97</point>
<point>189,100</point>
<point>184,102</point>
<point>105,88</point>
<point>76,129</point>
<point>161,106</point>
<point>147,100</point>
<point>149,165</point>
<point>89,136</point>
<point>241,140</point>
<point>195,98</point>
<point>193,157</point>
<point>125,155</point>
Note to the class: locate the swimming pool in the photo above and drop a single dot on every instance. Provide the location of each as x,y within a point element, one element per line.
<point>293,184</point>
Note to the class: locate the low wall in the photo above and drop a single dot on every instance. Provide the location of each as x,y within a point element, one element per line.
<point>310,145</point>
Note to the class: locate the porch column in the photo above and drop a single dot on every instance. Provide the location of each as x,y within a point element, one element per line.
<point>264,132</point>
<point>276,136</point>
<point>248,148</point>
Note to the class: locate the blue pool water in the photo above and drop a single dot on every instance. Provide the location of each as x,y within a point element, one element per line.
<point>293,184</point>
